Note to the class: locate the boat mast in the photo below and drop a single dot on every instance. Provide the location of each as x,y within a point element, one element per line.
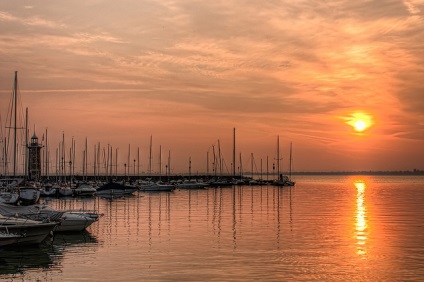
<point>169,164</point>
<point>129,163</point>
<point>290,168</point>
<point>95,162</point>
<point>278,157</point>
<point>234,152</point>
<point>15,98</point>
<point>189,167</point>
<point>150,157</point>
<point>86,159</point>
<point>138,162</point>
<point>47,160</point>
<point>241,168</point>
<point>116,163</point>
<point>160,162</point>
<point>251,164</point>
<point>26,163</point>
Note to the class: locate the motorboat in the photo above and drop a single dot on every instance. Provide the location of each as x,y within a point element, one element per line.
<point>192,184</point>
<point>48,190</point>
<point>69,220</point>
<point>65,191</point>
<point>115,189</point>
<point>29,195</point>
<point>77,220</point>
<point>84,190</point>
<point>31,232</point>
<point>9,193</point>
<point>156,187</point>
<point>9,197</point>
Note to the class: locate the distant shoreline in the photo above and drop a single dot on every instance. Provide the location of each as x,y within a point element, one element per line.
<point>400,172</point>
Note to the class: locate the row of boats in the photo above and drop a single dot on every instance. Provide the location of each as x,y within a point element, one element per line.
<point>17,192</point>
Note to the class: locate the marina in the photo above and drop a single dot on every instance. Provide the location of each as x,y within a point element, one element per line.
<point>211,141</point>
<point>324,228</point>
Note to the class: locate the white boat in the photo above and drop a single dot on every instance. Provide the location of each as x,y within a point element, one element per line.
<point>8,191</point>
<point>30,231</point>
<point>69,220</point>
<point>48,190</point>
<point>156,187</point>
<point>84,190</point>
<point>115,189</point>
<point>29,195</point>
<point>191,184</point>
<point>65,191</point>
<point>9,197</point>
<point>76,220</point>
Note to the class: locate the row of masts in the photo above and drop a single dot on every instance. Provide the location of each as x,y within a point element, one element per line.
<point>106,164</point>
<point>105,159</point>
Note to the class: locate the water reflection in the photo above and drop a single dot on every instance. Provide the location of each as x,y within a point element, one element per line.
<point>361,223</point>
<point>48,256</point>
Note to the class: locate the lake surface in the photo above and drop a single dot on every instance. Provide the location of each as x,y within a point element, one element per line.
<point>326,228</point>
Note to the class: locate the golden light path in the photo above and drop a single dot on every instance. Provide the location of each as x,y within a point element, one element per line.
<point>361,224</point>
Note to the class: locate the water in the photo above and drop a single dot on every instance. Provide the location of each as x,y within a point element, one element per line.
<point>326,228</point>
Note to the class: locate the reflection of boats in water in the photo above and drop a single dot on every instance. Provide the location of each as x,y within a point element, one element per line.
<point>45,256</point>
<point>75,239</point>
<point>17,260</point>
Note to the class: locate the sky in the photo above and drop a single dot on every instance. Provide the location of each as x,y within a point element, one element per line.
<point>186,73</point>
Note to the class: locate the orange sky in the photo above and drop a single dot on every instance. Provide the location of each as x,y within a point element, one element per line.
<point>188,72</point>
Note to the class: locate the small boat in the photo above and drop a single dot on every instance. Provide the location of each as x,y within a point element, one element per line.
<point>9,191</point>
<point>69,220</point>
<point>220,183</point>
<point>84,190</point>
<point>115,189</point>
<point>31,232</point>
<point>29,195</point>
<point>76,220</point>
<point>65,191</point>
<point>48,190</point>
<point>156,187</point>
<point>9,197</point>
<point>192,184</point>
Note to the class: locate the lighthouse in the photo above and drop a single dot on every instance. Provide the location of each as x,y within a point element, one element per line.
<point>34,159</point>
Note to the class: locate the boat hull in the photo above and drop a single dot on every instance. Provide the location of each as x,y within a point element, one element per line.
<point>9,197</point>
<point>30,234</point>
<point>74,222</point>
<point>8,239</point>
<point>29,196</point>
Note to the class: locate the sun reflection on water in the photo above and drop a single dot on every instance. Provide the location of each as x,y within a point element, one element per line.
<point>361,224</point>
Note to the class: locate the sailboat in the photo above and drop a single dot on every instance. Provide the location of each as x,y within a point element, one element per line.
<point>289,181</point>
<point>283,180</point>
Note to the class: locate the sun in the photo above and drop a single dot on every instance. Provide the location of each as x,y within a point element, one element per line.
<point>360,125</point>
<point>360,121</point>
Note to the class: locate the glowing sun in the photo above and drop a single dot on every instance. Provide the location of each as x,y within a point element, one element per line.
<point>360,125</point>
<point>360,121</point>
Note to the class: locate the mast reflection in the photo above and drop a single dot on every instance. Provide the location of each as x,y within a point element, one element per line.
<point>361,223</point>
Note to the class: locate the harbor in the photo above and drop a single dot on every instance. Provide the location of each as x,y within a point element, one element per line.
<point>239,232</point>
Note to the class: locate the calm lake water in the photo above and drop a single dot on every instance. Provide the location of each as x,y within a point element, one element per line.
<point>326,228</point>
